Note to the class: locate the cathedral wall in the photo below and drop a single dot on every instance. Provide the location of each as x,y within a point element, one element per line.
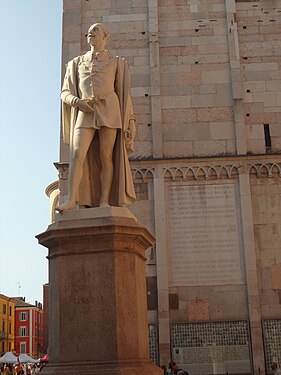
<point>206,86</point>
<point>258,26</point>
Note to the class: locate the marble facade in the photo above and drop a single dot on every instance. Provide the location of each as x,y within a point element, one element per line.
<point>206,83</point>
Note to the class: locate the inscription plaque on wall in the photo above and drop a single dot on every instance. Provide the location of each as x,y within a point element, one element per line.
<point>214,359</point>
<point>212,348</point>
<point>204,235</point>
<point>272,341</point>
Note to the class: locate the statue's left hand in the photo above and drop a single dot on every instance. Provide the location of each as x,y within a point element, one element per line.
<point>131,131</point>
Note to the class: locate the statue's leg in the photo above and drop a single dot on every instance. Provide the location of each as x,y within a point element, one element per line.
<point>107,139</point>
<point>82,139</point>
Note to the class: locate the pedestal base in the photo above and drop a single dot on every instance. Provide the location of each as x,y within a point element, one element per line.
<point>97,299</point>
<point>144,368</point>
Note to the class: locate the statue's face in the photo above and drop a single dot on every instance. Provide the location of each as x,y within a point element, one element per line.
<point>96,34</point>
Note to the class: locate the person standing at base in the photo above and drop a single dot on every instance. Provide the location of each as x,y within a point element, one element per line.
<point>99,126</point>
<point>176,370</point>
<point>276,370</point>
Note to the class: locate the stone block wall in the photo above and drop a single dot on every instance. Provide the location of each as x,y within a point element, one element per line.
<point>192,62</point>
<point>206,92</point>
<point>128,24</point>
<point>189,59</point>
<point>259,25</point>
<point>267,227</point>
<point>196,95</point>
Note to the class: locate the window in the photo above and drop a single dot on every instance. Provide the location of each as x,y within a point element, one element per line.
<point>23,331</point>
<point>3,326</point>
<point>10,310</point>
<point>23,316</point>
<point>4,309</point>
<point>10,328</point>
<point>22,347</point>
<point>267,137</point>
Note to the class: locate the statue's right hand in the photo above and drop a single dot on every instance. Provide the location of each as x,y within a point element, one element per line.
<point>83,105</point>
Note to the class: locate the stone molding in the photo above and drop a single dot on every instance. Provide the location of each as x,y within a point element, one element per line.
<point>208,172</point>
<point>190,171</point>
<point>143,174</point>
<point>265,169</point>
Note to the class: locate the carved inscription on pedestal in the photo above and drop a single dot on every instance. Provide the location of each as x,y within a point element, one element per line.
<point>204,235</point>
<point>86,293</point>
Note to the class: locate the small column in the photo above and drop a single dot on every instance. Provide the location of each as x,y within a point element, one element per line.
<point>154,59</point>
<point>251,275</point>
<point>162,267</point>
<point>97,302</point>
<point>236,80</point>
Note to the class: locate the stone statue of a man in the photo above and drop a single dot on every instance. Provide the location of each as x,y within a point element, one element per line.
<point>98,125</point>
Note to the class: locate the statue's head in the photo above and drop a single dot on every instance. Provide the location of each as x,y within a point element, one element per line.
<point>98,32</point>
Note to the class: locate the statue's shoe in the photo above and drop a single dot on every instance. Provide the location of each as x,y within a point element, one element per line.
<point>104,204</point>
<point>66,206</point>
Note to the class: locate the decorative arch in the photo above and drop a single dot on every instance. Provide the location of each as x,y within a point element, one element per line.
<point>265,169</point>
<point>142,174</point>
<point>198,172</point>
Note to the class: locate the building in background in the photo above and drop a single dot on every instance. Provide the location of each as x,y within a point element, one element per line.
<point>7,324</point>
<point>206,87</point>
<point>28,328</point>
<point>45,318</point>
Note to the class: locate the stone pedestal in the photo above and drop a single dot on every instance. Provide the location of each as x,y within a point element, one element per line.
<point>97,300</point>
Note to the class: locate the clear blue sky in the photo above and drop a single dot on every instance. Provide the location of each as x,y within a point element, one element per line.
<point>30,79</point>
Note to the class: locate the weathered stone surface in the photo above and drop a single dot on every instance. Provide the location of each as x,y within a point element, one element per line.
<point>97,286</point>
<point>206,78</point>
